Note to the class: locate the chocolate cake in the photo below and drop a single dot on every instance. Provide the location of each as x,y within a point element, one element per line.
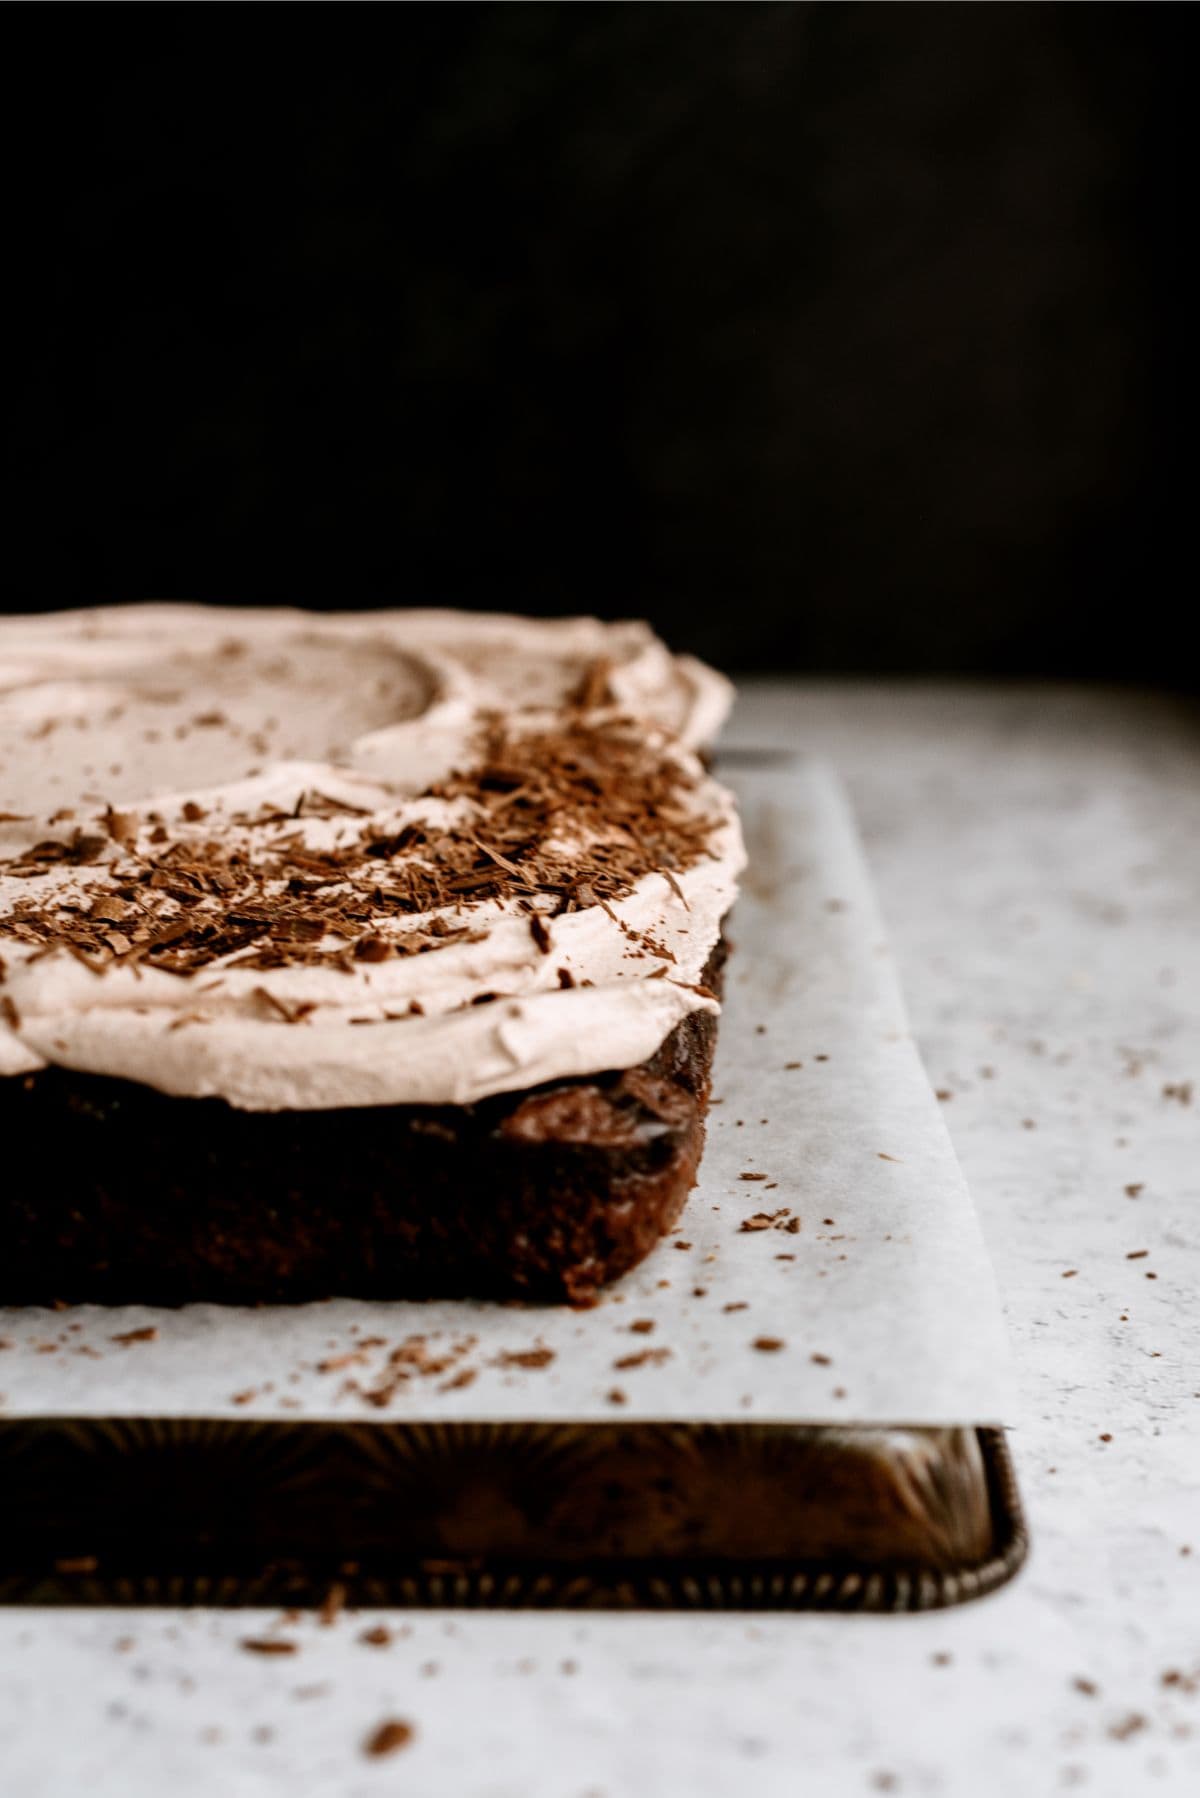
<point>372,955</point>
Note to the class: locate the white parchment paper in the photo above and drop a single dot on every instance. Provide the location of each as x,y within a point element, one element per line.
<point>866,1297</point>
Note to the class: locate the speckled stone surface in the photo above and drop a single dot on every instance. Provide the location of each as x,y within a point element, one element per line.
<point>1037,852</point>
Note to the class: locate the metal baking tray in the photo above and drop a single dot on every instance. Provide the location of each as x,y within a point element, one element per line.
<point>724,1517</point>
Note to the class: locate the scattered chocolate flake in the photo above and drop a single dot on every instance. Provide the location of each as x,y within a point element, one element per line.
<point>943,1093</point>
<point>378,1636</point>
<point>736,1305</point>
<point>122,827</point>
<point>682,1245</point>
<point>884,1157</point>
<point>534,1357</point>
<point>821,1360</point>
<point>1134,1188</point>
<point>594,689</point>
<point>642,1326</point>
<point>373,948</point>
<point>332,1605</point>
<point>1088,1687</point>
<point>464,1377</point>
<point>1137,1254</point>
<point>650,1357</point>
<point>113,911</point>
<point>540,934</point>
<point>1069,1273</point>
<point>268,1645</point>
<point>194,813</point>
<point>147,1334</point>
<point>769,1220</point>
<point>565,978</point>
<point>750,1176</point>
<point>1128,1726</point>
<point>616,1397</point>
<point>768,1345</point>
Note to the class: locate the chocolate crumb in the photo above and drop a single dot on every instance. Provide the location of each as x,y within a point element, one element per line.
<point>768,1345</point>
<point>147,1334</point>
<point>821,1360</point>
<point>373,948</point>
<point>1088,1687</point>
<point>750,1176</point>
<point>388,1737</point>
<point>534,1357</point>
<point>268,1645</point>
<point>1134,1188</point>
<point>378,1636</point>
<point>616,1397</point>
<point>651,1357</point>
<point>642,1326</point>
<point>465,1377</point>
<point>1137,1254</point>
<point>736,1305</point>
<point>1128,1726</point>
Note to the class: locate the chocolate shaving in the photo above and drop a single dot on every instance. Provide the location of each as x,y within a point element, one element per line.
<point>540,934</point>
<point>576,815</point>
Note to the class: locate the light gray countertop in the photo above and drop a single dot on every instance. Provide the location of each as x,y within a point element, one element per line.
<point>1037,852</point>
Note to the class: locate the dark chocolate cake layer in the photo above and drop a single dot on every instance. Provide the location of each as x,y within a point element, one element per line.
<point>142,1198</point>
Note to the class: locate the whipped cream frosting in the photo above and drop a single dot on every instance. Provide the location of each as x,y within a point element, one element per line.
<point>155,758</point>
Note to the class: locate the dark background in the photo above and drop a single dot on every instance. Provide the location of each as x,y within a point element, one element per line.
<point>841,337</point>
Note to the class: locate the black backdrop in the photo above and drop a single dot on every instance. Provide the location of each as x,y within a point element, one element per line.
<point>845,337</point>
